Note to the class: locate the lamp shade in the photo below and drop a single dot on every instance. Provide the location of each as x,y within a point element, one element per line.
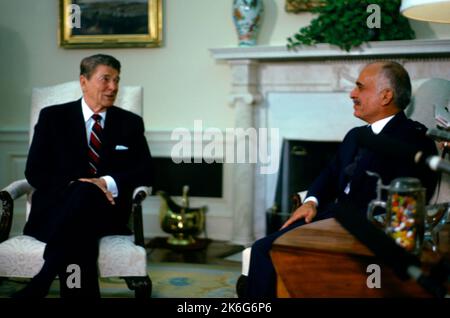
<point>427,10</point>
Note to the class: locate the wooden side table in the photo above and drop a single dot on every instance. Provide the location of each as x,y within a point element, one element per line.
<point>322,259</point>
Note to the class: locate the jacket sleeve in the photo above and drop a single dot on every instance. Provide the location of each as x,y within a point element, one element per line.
<point>325,186</point>
<point>328,185</point>
<point>38,170</point>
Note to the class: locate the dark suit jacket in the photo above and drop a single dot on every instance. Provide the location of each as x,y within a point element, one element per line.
<point>58,156</point>
<point>330,184</point>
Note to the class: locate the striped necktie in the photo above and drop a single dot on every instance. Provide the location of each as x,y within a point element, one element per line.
<point>95,144</point>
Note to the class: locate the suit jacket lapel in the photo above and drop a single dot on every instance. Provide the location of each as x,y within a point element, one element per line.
<point>110,132</point>
<point>368,159</point>
<point>361,161</point>
<point>394,123</point>
<point>77,130</point>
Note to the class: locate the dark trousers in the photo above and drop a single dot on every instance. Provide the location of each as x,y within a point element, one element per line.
<point>261,281</point>
<point>83,215</point>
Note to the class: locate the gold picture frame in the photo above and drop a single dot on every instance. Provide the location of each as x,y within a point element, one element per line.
<point>110,24</point>
<point>297,6</point>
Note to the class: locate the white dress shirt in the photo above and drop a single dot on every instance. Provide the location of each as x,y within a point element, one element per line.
<point>89,122</point>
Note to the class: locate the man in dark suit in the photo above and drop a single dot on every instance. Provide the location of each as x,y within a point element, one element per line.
<point>382,92</point>
<point>85,159</point>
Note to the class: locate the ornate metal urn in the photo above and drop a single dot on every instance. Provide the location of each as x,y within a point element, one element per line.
<point>181,221</point>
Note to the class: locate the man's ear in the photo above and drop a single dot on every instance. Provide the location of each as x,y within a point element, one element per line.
<point>83,81</point>
<point>387,95</point>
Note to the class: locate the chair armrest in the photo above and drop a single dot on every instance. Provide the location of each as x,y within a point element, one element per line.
<point>139,195</point>
<point>6,214</point>
<point>18,188</point>
<point>7,196</point>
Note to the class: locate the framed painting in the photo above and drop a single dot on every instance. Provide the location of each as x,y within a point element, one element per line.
<point>110,23</point>
<point>296,6</point>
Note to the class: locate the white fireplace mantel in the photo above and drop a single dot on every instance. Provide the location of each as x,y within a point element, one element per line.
<point>261,74</point>
<point>409,48</point>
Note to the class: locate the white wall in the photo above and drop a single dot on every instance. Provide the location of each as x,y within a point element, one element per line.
<point>182,82</point>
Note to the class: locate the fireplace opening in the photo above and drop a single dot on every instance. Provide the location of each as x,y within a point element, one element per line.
<point>301,162</point>
<point>204,179</point>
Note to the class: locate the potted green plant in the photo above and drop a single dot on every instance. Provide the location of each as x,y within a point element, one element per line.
<point>344,23</point>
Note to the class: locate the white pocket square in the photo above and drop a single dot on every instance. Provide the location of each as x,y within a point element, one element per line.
<point>120,147</point>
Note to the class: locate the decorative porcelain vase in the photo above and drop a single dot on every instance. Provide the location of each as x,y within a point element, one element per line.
<point>247,16</point>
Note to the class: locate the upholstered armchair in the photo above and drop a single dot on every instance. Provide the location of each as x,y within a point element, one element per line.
<point>119,255</point>
<point>425,94</point>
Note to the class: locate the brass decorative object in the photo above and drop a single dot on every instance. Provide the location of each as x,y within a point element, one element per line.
<point>181,221</point>
<point>296,6</point>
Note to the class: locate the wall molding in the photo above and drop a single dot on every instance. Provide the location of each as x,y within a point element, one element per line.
<point>13,135</point>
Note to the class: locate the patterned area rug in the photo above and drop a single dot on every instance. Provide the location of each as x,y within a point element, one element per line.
<point>170,280</point>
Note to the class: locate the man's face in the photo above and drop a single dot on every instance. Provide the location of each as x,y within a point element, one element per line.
<point>367,101</point>
<point>100,90</point>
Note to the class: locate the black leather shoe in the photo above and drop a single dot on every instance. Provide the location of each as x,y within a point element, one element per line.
<point>32,291</point>
<point>241,286</point>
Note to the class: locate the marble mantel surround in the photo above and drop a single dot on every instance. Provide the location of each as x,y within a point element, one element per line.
<point>258,71</point>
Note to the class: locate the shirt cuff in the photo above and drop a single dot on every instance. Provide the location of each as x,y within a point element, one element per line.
<point>111,185</point>
<point>313,199</point>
